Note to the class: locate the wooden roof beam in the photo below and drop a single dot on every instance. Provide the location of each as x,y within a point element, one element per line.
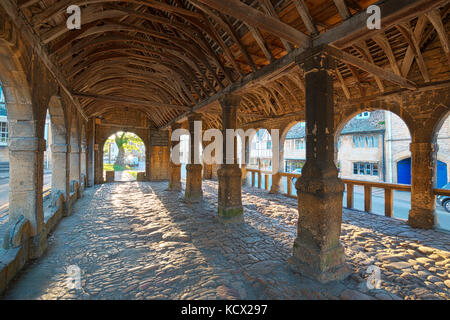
<point>343,9</point>
<point>33,39</point>
<point>129,100</point>
<point>371,68</point>
<point>268,6</point>
<point>257,19</point>
<point>303,11</point>
<point>435,18</point>
<point>393,12</point>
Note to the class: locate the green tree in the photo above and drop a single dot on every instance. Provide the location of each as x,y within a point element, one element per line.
<point>126,142</point>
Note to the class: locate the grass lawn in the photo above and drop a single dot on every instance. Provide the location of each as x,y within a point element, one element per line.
<point>113,167</point>
<point>133,173</point>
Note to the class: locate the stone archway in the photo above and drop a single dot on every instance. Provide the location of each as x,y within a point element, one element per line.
<point>441,137</point>
<point>74,150</point>
<point>25,147</point>
<point>108,133</point>
<point>59,147</point>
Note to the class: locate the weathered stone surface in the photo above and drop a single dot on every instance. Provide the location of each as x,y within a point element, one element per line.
<point>354,295</point>
<point>130,243</point>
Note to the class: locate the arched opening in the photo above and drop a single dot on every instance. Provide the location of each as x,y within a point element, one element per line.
<point>260,155</point>
<point>442,172</point>
<point>4,163</point>
<point>48,163</point>
<point>124,154</point>
<point>294,155</point>
<point>83,158</point>
<point>23,143</point>
<point>374,146</point>
<point>443,154</point>
<point>56,154</point>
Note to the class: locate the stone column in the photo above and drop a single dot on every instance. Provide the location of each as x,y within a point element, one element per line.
<point>60,172</point>
<point>230,175</point>
<point>91,153</point>
<point>318,252</point>
<point>98,164</point>
<point>26,157</point>
<point>174,168</point>
<point>423,200</point>
<point>74,162</point>
<point>194,192</point>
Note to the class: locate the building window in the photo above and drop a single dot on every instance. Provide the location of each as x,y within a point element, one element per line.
<point>3,133</point>
<point>355,142</point>
<point>365,141</point>
<point>297,144</point>
<point>363,115</point>
<point>365,169</point>
<point>375,141</point>
<point>269,145</point>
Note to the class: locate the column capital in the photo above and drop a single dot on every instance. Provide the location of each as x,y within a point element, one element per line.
<point>230,101</point>
<point>176,126</point>
<point>317,59</point>
<point>194,117</point>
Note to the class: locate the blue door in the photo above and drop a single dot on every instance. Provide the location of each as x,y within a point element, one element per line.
<point>404,171</point>
<point>441,174</point>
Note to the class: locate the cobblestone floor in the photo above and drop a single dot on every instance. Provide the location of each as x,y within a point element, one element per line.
<point>139,241</point>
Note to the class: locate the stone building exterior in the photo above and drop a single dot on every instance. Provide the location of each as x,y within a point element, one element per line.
<point>373,146</point>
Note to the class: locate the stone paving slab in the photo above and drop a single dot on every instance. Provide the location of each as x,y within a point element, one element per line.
<point>138,241</point>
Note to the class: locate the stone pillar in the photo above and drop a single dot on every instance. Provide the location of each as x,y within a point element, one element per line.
<point>194,192</point>
<point>246,160</point>
<point>26,157</point>
<point>60,172</point>
<point>74,162</point>
<point>230,175</point>
<point>175,168</point>
<point>423,200</point>
<point>98,164</point>
<point>318,252</point>
<point>91,153</point>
